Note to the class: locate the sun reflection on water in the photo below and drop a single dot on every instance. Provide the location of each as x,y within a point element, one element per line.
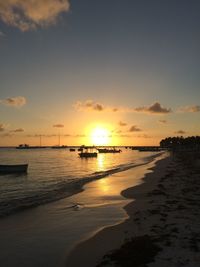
<point>101,162</point>
<point>104,185</point>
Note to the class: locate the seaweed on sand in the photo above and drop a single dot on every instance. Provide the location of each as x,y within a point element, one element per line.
<point>136,252</point>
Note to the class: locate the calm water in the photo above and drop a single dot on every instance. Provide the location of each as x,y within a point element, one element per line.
<point>55,174</point>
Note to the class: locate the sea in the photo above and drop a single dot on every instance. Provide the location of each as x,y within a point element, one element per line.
<point>55,174</point>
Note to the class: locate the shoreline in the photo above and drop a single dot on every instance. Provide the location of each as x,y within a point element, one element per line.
<point>112,237</point>
<point>163,225</point>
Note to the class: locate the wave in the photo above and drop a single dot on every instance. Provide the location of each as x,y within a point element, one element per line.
<point>63,189</point>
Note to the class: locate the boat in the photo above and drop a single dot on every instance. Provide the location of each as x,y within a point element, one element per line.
<point>19,168</point>
<point>72,149</point>
<point>106,150</point>
<point>88,152</point>
<point>25,146</point>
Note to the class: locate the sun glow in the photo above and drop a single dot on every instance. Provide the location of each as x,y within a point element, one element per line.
<point>100,136</point>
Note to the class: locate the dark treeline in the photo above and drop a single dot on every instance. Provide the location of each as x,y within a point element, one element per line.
<point>191,142</point>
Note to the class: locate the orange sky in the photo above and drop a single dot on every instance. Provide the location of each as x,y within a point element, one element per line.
<point>131,69</point>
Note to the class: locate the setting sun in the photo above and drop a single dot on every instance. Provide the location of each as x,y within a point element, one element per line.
<point>100,136</point>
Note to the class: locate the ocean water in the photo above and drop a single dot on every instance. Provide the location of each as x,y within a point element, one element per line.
<point>56,174</point>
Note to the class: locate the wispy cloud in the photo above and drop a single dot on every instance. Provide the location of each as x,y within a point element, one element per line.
<point>55,135</point>
<point>122,124</point>
<point>193,108</point>
<point>6,135</point>
<point>80,135</point>
<point>162,121</point>
<point>144,136</point>
<point>89,105</point>
<point>58,125</point>
<point>2,127</point>
<point>124,136</point>
<point>17,101</point>
<point>134,128</point>
<point>30,14</point>
<point>180,132</point>
<point>41,135</point>
<point>155,108</point>
<point>18,130</point>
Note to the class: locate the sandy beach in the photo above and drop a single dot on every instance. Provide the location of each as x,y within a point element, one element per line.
<point>163,225</point>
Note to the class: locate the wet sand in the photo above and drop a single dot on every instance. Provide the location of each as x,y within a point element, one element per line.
<point>164,218</point>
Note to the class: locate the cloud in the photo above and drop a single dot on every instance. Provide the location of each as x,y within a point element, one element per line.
<point>134,128</point>
<point>17,101</point>
<point>121,123</point>
<point>55,135</point>
<point>41,135</point>
<point>67,135</point>
<point>2,127</point>
<point>31,14</point>
<point>58,125</point>
<point>6,135</point>
<point>89,105</point>
<point>194,108</point>
<point>18,130</point>
<point>80,135</point>
<point>124,135</point>
<point>144,136</point>
<point>163,121</point>
<point>180,132</point>
<point>155,108</point>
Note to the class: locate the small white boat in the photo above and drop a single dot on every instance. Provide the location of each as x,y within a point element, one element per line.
<point>19,168</point>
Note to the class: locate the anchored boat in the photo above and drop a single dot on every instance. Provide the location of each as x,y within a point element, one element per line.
<point>19,168</point>
<point>109,150</point>
<point>88,152</point>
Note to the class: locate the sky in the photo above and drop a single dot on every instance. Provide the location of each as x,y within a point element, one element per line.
<point>99,72</point>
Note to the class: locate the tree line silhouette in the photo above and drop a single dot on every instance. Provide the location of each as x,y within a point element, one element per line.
<point>190,143</point>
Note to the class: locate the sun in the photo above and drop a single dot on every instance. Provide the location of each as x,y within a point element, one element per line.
<point>100,136</point>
